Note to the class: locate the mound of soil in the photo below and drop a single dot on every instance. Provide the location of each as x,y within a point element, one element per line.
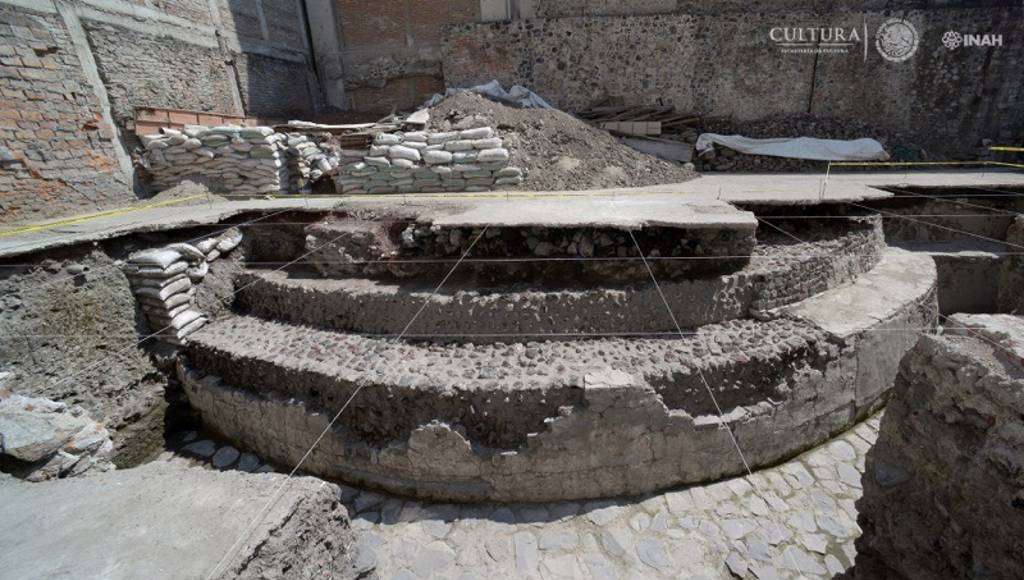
<point>556,150</point>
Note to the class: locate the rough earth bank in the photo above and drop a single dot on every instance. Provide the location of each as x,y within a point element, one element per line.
<point>117,525</point>
<point>943,492</point>
<point>69,329</point>
<point>555,149</point>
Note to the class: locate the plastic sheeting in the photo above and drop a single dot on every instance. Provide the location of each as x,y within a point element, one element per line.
<point>517,95</point>
<point>797,147</point>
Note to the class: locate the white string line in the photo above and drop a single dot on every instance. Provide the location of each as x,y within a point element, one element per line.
<point>157,333</point>
<point>258,264</point>
<point>966,233</point>
<point>609,334</point>
<point>118,267</point>
<point>721,420</point>
<point>276,496</point>
<point>996,192</point>
<point>946,318</point>
<point>942,199</point>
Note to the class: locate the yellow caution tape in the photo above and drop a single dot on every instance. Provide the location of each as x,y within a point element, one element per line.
<point>917,163</point>
<point>92,216</point>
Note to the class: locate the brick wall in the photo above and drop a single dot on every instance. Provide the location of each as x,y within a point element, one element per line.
<point>142,70</point>
<point>392,49</point>
<point>572,8</point>
<point>273,88</point>
<point>60,155</point>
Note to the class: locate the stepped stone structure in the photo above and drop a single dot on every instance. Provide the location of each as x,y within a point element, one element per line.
<point>943,494</point>
<point>525,387</point>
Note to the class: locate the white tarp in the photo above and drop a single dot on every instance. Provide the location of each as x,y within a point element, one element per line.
<point>516,95</point>
<point>797,147</point>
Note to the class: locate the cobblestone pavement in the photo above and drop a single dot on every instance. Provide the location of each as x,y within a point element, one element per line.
<point>794,520</point>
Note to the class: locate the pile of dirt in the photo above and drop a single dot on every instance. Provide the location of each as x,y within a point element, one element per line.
<point>192,191</point>
<point>556,150</point>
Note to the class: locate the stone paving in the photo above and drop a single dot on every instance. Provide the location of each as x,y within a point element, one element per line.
<point>795,520</point>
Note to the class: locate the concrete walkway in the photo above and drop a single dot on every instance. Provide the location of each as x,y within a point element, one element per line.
<point>768,189</point>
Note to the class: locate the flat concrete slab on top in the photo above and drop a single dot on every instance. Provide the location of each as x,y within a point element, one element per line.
<point>628,213</point>
<point>763,189</point>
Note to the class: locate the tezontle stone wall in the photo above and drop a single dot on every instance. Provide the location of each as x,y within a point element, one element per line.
<point>725,64</point>
<point>944,484</point>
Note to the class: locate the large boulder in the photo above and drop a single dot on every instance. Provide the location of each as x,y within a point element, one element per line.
<point>42,439</point>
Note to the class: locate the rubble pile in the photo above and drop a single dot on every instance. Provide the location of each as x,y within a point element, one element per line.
<point>473,159</point>
<point>164,280</point>
<point>42,439</point>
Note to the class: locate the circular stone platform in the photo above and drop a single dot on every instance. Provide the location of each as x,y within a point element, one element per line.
<point>781,271</point>
<point>557,420</point>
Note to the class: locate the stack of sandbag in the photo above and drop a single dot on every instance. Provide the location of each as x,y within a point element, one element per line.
<point>164,282</point>
<point>468,160</point>
<point>309,159</point>
<point>240,160</point>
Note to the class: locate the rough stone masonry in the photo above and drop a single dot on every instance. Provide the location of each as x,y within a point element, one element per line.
<point>944,485</point>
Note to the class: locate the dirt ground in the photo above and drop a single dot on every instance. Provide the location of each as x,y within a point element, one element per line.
<point>555,149</point>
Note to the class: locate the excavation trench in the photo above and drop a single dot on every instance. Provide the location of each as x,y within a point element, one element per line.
<point>515,361</point>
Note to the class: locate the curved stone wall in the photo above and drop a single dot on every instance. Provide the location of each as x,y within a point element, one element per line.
<point>562,420</point>
<point>781,272</point>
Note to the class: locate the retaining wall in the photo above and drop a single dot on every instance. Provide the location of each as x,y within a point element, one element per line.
<point>450,431</point>
<point>943,496</point>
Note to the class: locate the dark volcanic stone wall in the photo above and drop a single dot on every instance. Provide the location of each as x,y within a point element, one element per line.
<point>158,71</point>
<point>724,64</point>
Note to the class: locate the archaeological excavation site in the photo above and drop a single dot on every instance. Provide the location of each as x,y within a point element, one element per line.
<point>511,289</point>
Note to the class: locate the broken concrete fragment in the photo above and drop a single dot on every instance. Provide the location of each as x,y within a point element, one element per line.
<point>305,534</point>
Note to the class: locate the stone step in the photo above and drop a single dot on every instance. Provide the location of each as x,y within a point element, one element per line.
<point>782,272</point>
<point>555,420</point>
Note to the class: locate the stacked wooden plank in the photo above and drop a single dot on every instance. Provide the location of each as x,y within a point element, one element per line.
<point>636,120</point>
